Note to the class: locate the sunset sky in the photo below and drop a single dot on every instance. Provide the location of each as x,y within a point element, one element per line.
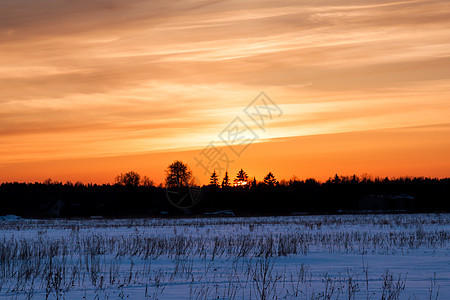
<point>90,89</point>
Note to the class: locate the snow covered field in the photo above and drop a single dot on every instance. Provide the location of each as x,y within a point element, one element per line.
<point>301,257</point>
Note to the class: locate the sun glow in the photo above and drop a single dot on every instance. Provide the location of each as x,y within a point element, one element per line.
<point>169,79</point>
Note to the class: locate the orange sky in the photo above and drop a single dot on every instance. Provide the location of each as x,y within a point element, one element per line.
<point>89,89</point>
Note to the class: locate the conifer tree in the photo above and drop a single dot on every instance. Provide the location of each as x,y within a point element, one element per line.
<point>214,179</point>
<point>226,180</point>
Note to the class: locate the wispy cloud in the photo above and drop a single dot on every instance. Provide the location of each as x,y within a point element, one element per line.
<point>100,78</point>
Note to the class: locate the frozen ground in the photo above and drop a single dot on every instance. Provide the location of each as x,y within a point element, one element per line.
<point>302,257</point>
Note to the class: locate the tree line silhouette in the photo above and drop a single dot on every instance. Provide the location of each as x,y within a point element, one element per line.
<point>133,195</point>
<point>241,180</point>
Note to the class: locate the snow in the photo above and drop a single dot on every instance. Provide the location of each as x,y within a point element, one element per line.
<point>300,257</point>
<point>9,218</point>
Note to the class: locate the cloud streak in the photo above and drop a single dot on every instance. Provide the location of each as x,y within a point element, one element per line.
<point>100,78</point>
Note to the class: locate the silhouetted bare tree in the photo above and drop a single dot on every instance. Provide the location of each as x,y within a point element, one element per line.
<point>128,179</point>
<point>147,182</point>
<point>178,174</point>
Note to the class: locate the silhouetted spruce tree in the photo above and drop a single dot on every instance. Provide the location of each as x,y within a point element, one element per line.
<point>270,179</point>
<point>226,180</point>
<point>241,178</point>
<point>336,179</point>
<point>253,183</point>
<point>214,179</point>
